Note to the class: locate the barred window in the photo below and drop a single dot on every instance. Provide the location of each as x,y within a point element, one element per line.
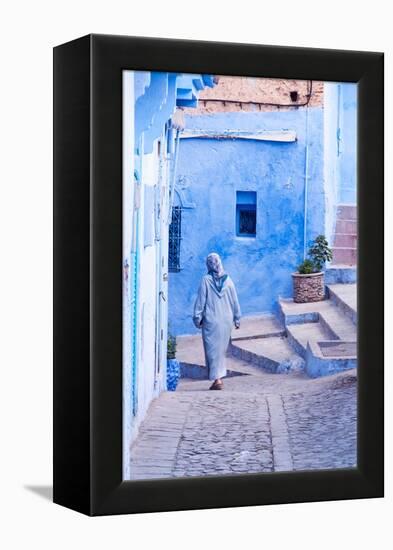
<point>174,240</point>
<point>246,214</point>
<point>247,222</point>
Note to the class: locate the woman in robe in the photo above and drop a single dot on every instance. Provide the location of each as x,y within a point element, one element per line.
<point>216,310</point>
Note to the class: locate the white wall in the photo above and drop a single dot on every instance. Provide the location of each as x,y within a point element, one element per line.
<point>148,291</point>
<point>150,380</point>
<point>151,377</point>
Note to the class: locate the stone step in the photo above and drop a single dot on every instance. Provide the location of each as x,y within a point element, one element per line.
<point>344,255</point>
<point>299,335</point>
<point>191,355</point>
<point>292,313</point>
<point>345,240</point>
<point>346,226</point>
<point>237,367</point>
<point>346,212</point>
<point>266,353</point>
<point>330,357</point>
<point>258,326</point>
<point>340,273</point>
<point>336,324</point>
<point>344,296</point>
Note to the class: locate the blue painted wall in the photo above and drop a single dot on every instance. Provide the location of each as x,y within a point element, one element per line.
<point>210,171</point>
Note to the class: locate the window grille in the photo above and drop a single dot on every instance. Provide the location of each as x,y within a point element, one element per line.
<point>174,240</point>
<point>247,222</point>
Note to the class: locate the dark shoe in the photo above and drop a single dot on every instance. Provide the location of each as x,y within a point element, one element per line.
<point>216,386</point>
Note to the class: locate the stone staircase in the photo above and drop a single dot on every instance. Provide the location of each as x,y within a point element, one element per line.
<point>260,341</point>
<point>345,238</point>
<point>318,338</point>
<point>324,333</point>
<point>268,349</point>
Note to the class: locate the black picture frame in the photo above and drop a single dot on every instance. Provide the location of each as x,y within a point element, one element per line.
<point>88,274</point>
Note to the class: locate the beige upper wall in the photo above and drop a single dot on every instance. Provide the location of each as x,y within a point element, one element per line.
<point>256,92</point>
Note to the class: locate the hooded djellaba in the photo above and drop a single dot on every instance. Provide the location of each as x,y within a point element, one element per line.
<point>216,310</point>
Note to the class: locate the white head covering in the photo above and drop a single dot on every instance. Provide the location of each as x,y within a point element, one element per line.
<point>214,265</point>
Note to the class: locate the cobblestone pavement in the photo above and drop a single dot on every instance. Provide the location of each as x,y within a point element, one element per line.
<point>322,426</point>
<point>260,422</point>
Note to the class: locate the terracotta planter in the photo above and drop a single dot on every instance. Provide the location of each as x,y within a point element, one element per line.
<point>308,288</point>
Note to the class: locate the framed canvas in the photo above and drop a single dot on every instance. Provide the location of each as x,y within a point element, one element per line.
<point>218,225</point>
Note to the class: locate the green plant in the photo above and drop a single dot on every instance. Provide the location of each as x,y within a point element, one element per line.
<point>171,347</point>
<point>306,267</point>
<point>319,253</point>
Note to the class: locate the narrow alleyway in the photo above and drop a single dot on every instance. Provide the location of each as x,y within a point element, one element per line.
<point>260,422</point>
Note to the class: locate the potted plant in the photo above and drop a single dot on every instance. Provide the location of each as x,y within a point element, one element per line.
<point>308,281</point>
<point>173,365</point>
